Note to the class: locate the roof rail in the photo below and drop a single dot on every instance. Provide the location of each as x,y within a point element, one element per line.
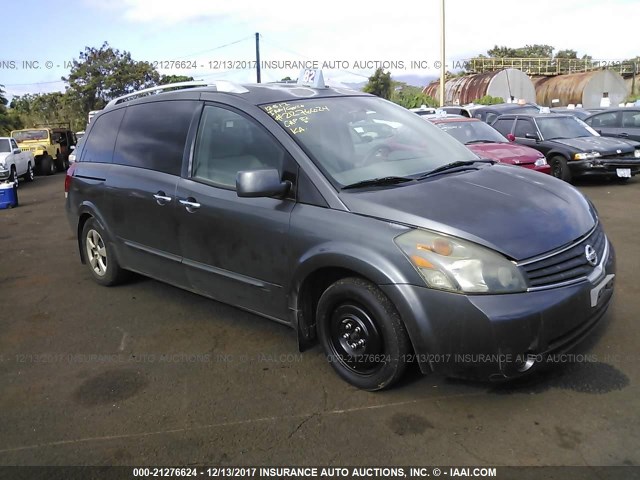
<point>220,86</point>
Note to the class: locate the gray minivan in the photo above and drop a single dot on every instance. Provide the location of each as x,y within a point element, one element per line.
<point>346,217</point>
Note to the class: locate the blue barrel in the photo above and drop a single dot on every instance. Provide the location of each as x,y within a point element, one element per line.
<point>8,195</point>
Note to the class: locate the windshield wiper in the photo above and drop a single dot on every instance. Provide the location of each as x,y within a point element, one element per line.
<point>479,141</point>
<point>453,165</point>
<point>375,182</point>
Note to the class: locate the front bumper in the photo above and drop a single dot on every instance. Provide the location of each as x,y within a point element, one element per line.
<point>542,169</point>
<point>604,166</point>
<point>491,337</point>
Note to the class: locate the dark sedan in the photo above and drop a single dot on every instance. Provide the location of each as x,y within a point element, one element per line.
<point>621,122</point>
<point>572,147</point>
<point>489,113</point>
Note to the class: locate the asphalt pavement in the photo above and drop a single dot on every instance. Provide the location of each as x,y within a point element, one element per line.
<point>147,374</point>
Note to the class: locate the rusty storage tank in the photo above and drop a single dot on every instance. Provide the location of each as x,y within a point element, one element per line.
<point>587,88</point>
<point>510,84</point>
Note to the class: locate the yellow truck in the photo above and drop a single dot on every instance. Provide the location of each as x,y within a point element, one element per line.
<point>50,146</point>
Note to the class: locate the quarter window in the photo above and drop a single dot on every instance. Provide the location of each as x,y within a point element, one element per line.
<point>102,137</point>
<point>153,135</point>
<point>229,143</point>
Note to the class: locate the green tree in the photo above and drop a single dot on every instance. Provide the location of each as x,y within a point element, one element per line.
<point>167,79</point>
<point>502,52</point>
<point>286,79</point>
<point>528,51</point>
<point>379,84</point>
<point>104,73</point>
<point>567,53</point>
<point>9,120</point>
<point>410,97</point>
<point>49,108</point>
<point>535,51</point>
<point>488,100</point>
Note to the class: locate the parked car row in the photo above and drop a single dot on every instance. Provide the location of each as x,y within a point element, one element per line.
<point>604,144</point>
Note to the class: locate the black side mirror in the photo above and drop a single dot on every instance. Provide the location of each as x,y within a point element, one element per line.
<point>16,150</point>
<point>261,183</point>
<point>532,136</point>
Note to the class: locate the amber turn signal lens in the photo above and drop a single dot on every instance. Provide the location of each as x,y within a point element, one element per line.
<point>421,262</point>
<point>441,246</point>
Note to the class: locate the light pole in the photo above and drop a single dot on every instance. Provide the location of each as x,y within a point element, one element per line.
<point>442,50</point>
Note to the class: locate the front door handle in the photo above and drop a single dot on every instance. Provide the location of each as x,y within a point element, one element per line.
<point>162,198</point>
<point>190,204</point>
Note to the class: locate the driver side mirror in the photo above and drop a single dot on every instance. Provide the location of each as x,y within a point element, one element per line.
<point>511,137</point>
<point>261,183</point>
<point>532,136</point>
<point>17,151</point>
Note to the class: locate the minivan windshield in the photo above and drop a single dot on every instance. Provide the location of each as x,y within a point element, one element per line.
<point>355,139</point>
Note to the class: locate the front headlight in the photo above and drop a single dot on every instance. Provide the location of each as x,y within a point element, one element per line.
<point>637,153</point>
<point>586,156</point>
<point>541,162</point>
<point>452,264</point>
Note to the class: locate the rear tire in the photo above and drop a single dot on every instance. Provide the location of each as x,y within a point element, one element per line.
<point>362,334</point>
<point>47,166</point>
<point>61,163</point>
<point>560,168</point>
<point>99,256</point>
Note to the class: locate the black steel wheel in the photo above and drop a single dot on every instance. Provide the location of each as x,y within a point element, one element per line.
<point>560,168</point>
<point>362,334</point>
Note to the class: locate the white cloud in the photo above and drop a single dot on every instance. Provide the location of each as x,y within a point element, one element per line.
<point>400,31</point>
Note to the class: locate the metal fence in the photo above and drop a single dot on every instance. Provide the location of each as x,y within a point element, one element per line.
<point>549,66</point>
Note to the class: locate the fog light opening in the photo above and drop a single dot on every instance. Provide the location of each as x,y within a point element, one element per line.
<point>525,361</point>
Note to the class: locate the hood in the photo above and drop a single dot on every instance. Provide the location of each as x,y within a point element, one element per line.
<point>511,153</point>
<point>602,145</point>
<point>517,212</point>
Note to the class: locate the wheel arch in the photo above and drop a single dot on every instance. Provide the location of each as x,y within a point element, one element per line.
<point>87,211</point>
<point>322,268</point>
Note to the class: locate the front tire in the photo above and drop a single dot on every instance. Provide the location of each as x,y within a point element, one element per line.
<point>362,334</point>
<point>99,255</point>
<point>560,168</point>
<point>28,177</point>
<point>14,177</point>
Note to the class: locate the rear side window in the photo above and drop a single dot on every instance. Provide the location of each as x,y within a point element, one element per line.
<point>503,126</point>
<point>609,119</point>
<point>153,135</point>
<point>102,137</point>
<point>631,119</point>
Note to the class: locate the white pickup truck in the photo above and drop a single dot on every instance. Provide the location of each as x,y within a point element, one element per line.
<point>14,163</point>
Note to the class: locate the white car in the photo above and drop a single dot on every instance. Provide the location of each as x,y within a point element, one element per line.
<point>14,163</point>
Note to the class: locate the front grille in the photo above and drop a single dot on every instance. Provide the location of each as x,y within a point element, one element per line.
<point>567,265</point>
<point>28,149</point>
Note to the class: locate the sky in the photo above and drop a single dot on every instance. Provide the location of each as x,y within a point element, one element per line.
<point>209,34</point>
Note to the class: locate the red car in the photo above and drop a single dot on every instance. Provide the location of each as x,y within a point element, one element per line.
<point>487,142</point>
